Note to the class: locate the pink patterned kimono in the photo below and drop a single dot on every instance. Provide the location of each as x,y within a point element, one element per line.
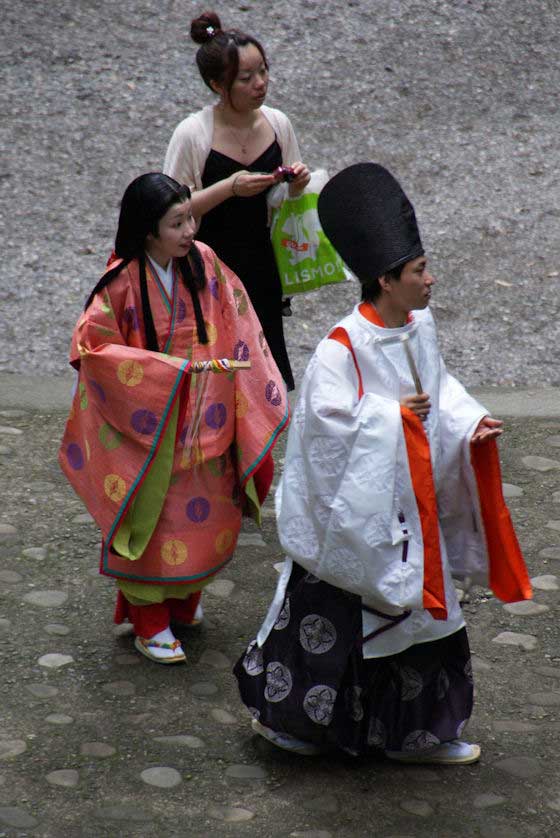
<point>167,462</point>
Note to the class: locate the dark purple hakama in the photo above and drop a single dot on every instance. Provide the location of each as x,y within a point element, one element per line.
<point>311,681</point>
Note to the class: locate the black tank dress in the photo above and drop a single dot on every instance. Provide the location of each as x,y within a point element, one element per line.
<point>238,231</point>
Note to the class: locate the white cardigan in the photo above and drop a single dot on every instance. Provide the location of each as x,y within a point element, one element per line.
<point>192,140</point>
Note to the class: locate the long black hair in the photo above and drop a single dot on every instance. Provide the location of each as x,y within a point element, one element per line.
<point>144,203</point>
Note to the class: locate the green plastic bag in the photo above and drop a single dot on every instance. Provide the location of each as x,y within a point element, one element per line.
<point>305,258</point>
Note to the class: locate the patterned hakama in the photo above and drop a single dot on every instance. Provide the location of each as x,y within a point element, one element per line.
<point>310,679</point>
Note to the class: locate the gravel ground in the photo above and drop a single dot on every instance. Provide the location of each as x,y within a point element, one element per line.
<point>457,97</point>
<point>97,742</point>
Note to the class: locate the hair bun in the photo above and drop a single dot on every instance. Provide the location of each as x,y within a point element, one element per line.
<point>204,27</point>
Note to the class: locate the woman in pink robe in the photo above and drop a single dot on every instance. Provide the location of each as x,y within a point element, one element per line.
<point>168,461</point>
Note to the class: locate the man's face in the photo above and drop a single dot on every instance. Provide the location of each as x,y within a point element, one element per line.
<point>413,289</point>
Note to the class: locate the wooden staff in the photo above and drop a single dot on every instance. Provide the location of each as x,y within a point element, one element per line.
<point>411,364</point>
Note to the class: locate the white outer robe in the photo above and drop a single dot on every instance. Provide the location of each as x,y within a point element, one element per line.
<point>347,478</point>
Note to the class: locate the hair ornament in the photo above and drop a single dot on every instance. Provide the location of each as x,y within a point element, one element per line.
<point>210,31</point>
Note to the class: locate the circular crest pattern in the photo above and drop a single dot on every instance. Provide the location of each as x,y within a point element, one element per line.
<point>241,351</point>
<point>144,421</point>
<point>278,682</point>
<point>109,437</point>
<point>253,660</point>
<point>216,415</point>
<point>299,535</point>
<point>319,704</point>
<point>115,487</point>
<point>317,634</point>
<point>174,552</point>
<point>284,616</point>
<point>328,455</point>
<point>130,373</point>
<point>343,561</point>
<point>376,530</point>
<point>198,510</point>
<point>272,393</point>
<point>411,683</point>
<point>75,456</point>
<point>419,740</point>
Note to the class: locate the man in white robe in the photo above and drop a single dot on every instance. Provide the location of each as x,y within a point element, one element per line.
<point>391,487</point>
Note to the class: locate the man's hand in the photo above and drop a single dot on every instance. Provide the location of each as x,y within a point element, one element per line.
<point>487,429</point>
<point>419,404</point>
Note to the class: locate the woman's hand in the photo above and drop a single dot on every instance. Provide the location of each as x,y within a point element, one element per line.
<point>246,184</point>
<point>487,429</point>
<point>419,404</point>
<point>300,181</point>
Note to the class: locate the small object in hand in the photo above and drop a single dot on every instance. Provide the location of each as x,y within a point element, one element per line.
<point>286,307</point>
<point>285,173</point>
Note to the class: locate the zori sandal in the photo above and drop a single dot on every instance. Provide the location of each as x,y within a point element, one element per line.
<point>169,652</point>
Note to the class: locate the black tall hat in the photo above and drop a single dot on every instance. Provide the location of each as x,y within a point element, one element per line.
<point>369,220</point>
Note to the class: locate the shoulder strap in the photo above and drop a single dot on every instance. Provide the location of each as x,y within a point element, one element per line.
<point>341,335</point>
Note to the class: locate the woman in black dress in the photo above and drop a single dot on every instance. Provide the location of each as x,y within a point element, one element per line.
<point>229,154</point>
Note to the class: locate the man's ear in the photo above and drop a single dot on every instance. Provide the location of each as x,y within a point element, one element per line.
<point>384,282</point>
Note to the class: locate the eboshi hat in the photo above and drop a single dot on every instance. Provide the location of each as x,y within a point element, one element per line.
<point>369,220</point>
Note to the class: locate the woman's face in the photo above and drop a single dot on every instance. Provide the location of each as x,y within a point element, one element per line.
<point>248,90</point>
<point>176,231</point>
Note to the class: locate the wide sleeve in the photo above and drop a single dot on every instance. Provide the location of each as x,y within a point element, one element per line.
<point>118,444</point>
<point>262,408</point>
<point>482,546</point>
<point>336,500</point>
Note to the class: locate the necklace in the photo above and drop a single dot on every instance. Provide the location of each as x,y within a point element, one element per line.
<point>241,142</point>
